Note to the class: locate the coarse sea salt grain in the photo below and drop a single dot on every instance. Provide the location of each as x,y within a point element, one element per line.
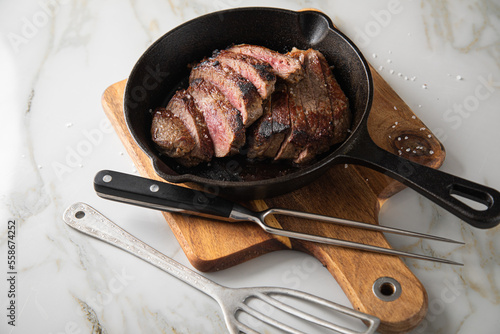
<point>424,86</point>
<point>391,71</point>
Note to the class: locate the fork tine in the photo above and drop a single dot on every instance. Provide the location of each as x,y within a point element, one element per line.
<point>373,321</point>
<point>270,321</point>
<point>306,316</point>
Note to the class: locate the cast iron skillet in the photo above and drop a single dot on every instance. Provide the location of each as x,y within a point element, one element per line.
<point>163,68</point>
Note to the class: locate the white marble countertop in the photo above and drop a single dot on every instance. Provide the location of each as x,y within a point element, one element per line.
<point>56,59</point>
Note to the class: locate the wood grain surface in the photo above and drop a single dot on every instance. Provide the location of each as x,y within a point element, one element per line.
<point>345,191</point>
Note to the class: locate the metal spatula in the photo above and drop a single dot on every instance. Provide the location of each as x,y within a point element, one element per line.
<point>167,197</point>
<point>233,302</point>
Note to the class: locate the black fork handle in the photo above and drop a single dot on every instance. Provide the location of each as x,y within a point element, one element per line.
<point>436,185</point>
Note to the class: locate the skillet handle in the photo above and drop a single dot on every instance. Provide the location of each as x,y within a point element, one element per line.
<point>436,185</point>
<point>163,196</point>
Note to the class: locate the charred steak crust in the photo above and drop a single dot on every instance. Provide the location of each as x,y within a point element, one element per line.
<point>223,120</point>
<point>256,71</point>
<point>182,106</point>
<point>297,138</point>
<point>315,101</point>
<point>283,65</point>
<point>170,134</point>
<point>339,102</point>
<point>259,134</point>
<point>240,92</point>
<point>267,134</point>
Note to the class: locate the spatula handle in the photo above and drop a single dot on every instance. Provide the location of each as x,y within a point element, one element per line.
<point>159,195</point>
<point>88,220</point>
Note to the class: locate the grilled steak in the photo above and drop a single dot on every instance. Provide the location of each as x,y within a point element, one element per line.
<point>339,102</point>
<point>235,96</point>
<point>182,106</point>
<point>267,134</point>
<point>240,92</point>
<point>316,103</point>
<point>170,134</point>
<point>284,66</point>
<point>223,120</point>
<point>258,72</point>
<point>298,137</point>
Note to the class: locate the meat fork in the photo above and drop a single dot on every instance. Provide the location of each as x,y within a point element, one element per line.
<point>86,219</point>
<point>168,197</point>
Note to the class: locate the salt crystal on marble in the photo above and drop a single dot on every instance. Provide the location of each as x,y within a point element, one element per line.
<point>374,55</point>
<point>380,68</point>
<point>391,71</point>
<point>389,61</point>
<point>413,78</point>
<point>389,51</point>
<point>399,74</point>
<point>459,77</point>
<point>424,86</point>
<point>68,125</point>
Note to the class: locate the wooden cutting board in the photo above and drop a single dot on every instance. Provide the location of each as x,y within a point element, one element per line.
<point>345,191</point>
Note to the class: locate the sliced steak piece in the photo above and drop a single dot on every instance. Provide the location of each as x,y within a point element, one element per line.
<point>240,92</point>
<point>339,102</point>
<point>297,137</point>
<point>258,72</point>
<point>223,120</point>
<point>316,103</point>
<point>170,134</point>
<point>182,106</point>
<point>267,134</point>
<point>259,134</point>
<point>284,66</point>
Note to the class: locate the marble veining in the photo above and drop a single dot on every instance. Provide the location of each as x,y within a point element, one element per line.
<point>57,57</point>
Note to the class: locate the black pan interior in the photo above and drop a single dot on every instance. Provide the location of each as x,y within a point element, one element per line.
<point>163,69</point>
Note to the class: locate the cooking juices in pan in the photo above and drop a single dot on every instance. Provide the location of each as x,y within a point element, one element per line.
<point>164,66</point>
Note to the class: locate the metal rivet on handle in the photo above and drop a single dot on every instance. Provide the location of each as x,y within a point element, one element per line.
<point>107,178</point>
<point>154,188</point>
<point>387,289</point>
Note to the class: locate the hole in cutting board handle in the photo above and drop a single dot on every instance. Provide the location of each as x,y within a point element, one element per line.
<point>386,289</point>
